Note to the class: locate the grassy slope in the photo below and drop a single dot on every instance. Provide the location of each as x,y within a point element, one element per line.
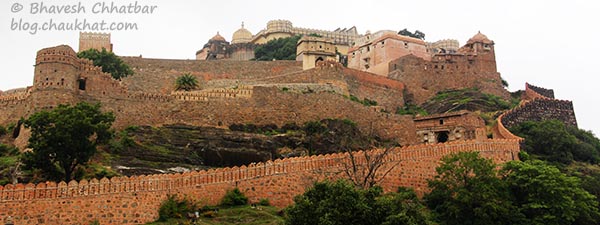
<point>235,215</point>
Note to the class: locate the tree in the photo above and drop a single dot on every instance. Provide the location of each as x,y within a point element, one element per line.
<point>468,190</point>
<point>186,82</point>
<point>65,138</point>
<point>109,62</point>
<point>548,197</point>
<point>342,203</point>
<point>368,169</point>
<point>552,141</point>
<point>418,34</point>
<point>278,49</point>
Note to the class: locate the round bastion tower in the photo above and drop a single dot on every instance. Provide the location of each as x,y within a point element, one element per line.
<point>56,77</point>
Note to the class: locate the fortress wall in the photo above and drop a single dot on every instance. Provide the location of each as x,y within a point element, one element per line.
<point>387,92</point>
<point>424,79</point>
<point>135,200</point>
<point>268,105</point>
<point>547,93</point>
<point>159,75</point>
<point>541,109</point>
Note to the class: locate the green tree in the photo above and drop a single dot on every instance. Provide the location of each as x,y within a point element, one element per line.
<point>65,138</point>
<point>468,190</point>
<point>343,203</point>
<point>109,62</point>
<point>186,82</point>
<point>278,49</point>
<point>548,197</point>
<point>552,141</point>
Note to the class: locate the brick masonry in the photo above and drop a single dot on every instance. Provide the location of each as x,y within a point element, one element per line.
<point>135,200</point>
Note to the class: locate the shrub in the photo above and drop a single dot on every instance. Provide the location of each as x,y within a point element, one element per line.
<point>264,202</point>
<point>3,131</point>
<point>176,208</point>
<point>234,198</point>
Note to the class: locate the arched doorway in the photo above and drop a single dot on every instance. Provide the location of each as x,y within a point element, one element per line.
<point>442,136</point>
<point>319,60</point>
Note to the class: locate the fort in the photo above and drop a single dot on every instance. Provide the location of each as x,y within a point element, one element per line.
<point>274,92</point>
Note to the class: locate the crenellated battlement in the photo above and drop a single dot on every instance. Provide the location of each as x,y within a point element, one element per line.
<point>216,93</point>
<point>138,197</point>
<point>537,104</point>
<point>15,95</point>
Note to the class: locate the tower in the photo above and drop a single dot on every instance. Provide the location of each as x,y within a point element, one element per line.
<point>483,47</point>
<point>56,77</point>
<point>96,41</point>
<point>311,50</point>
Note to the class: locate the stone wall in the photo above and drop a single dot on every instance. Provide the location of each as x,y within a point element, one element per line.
<point>534,106</point>
<point>540,110</point>
<point>135,200</point>
<point>423,79</point>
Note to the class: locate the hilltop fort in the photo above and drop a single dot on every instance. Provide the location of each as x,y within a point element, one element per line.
<point>385,67</point>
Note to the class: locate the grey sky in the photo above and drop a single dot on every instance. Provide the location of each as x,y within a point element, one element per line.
<point>550,43</point>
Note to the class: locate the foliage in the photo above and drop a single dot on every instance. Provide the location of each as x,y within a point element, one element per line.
<point>278,49</point>
<point>109,62</point>
<point>246,215</point>
<point>465,99</point>
<point>411,109</point>
<point>504,83</point>
<point>552,141</point>
<point>342,203</point>
<point>418,34</point>
<point>9,160</point>
<point>234,197</point>
<point>264,202</point>
<point>65,138</point>
<point>186,82</point>
<point>467,190</point>
<point>548,197</point>
<point>3,131</point>
<point>365,101</point>
<point>174,207</point>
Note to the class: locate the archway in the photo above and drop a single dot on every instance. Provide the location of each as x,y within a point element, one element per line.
<point>442,136</point>
<point>319,60</point>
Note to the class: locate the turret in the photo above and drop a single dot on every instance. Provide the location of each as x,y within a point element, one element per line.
<point>56,76</point>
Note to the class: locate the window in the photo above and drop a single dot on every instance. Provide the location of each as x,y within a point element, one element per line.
<point>441,122</point>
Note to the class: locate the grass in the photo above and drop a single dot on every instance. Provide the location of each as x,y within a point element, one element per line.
<point>235,215</point>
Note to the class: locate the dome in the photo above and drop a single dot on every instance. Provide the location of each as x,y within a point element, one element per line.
<point>218,37</point>
<point>242,35</point>
<point>480,38</point>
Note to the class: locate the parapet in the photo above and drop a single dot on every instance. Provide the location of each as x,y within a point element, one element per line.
<point>58,54</point>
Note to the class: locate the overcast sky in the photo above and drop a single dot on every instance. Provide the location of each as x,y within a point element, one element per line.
<point>553,44</point>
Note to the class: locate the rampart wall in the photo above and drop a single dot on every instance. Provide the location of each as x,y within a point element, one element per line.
<point>539,110</point>
<point>537,104</point>
<point>424,79</point>
<point>135,200</point>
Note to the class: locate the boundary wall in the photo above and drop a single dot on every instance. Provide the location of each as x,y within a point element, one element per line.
<point>135,200</point>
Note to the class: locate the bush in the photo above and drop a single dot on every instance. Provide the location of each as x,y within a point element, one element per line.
<point>175,208</point>
<point>3,131</point>
<point>234,198</point>
<point>264,202</point>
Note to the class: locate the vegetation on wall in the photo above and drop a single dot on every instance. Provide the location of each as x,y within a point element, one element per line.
<point>465,99</point>
<point>278,49</point>
<point>186,82</point>
<point>109,62</point>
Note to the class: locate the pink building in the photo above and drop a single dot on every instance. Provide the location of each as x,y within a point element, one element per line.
<point>373,52</point>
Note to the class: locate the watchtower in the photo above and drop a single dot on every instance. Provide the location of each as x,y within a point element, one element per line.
<point>310,50</point>
<point>96,41</point>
